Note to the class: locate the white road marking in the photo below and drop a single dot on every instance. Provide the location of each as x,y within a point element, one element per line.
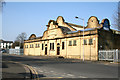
<point>40,71</point>
<point>82,77</point>
<point>45,72</point>
<point>63,75</point>
<point>51,71</point>
<point>70,75</point>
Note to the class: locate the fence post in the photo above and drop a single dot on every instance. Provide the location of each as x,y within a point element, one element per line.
<point>106,56</point>
<point>116,56</point>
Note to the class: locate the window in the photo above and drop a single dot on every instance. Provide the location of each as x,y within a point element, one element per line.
<point>32,46</point>
<point>63,44</point>
<point>27,46</point>
<point>51,46</point>
<point>9,47</point>
<point>90,41</point>
<point>70,43</point>
<point>42,46</point>
<point>85,42</point>
<point>74,43</point>
<point>36,46</point>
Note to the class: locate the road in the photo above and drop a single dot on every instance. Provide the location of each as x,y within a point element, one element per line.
<point>50,67</point>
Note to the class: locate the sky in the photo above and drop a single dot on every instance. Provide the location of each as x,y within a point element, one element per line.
<point>32,17</point>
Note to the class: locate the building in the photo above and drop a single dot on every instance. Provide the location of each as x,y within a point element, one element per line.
<point>71,41</point>
<point>5,44</point>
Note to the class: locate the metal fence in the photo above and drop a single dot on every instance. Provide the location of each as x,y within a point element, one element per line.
<point>15,51</point>
<point>109,55</point>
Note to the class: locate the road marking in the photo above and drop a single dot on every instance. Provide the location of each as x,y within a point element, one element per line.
<point>49,77</point>
<point>40,71</point>
<point>70,75</point>
<point>63,75</point>
<point>46,72</point>
<point>34,72</point>
<point>82,77</point>
<point>51,71</point>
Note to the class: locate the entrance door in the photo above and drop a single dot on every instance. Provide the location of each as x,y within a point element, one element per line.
<point>58,50</point>
<point>45,50</point>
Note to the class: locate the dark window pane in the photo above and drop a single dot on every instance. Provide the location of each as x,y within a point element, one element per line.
<point>70,43</point>
<point>85,42</point>
<point>90,41</point>
<point>62,45</point>
<point>74,43</point>
<point>42,46</point>
<point>53,46</point>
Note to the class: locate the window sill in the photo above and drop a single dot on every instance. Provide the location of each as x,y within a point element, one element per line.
<point>74,45</point>
<point>84,44</point>
<point>52,50</point>
<point>90,44</point>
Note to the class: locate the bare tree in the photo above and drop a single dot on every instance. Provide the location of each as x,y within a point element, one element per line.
<point>20,39</point>
<point>116,17</point>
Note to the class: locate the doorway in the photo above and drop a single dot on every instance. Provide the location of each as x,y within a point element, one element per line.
<point>45,50</point>
<point>58,50</point>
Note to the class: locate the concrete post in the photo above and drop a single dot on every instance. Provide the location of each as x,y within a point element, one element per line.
<point>116,56</point>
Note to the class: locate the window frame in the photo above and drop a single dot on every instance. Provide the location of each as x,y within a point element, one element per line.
<point>70,43</point>
<point>74,42</point>
<point>85,42</point>
<point>35,45</point>
<point>51,46</point>
<point>91,41</point>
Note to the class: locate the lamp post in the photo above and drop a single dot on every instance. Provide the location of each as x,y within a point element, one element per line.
<point>83,34</point>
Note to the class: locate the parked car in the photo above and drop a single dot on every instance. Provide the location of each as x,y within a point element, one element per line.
<point>3,51</point>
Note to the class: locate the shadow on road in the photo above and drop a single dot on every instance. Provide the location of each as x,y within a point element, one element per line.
<point>40,60</point>
<point>4,65</point>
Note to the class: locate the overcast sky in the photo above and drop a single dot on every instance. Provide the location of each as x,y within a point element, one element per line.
<point>32,17</point>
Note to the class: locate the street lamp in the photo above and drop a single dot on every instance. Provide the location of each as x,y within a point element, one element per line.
<point>83,34</point>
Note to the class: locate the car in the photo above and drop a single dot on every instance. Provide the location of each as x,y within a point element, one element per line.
<point>3,51</point>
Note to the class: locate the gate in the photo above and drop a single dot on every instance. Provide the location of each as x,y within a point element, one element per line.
<point>109,55</point>
<point>15,51</point>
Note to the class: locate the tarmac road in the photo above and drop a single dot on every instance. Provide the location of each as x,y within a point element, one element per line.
<point>49,68</point>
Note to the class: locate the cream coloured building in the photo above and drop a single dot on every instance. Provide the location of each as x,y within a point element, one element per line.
<point>66,39</point>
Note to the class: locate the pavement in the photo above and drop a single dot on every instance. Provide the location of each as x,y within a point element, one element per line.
<point>12,70</point>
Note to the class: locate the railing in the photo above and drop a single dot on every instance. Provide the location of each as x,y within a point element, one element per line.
<point>15,51</point>
<point>109,55</point>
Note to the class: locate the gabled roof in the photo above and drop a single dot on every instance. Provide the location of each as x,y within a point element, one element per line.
<point>64,29</point>
<point>32,36</point>
<point>79,26</point>
<point>88,29</point>
<point>6,41</point>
